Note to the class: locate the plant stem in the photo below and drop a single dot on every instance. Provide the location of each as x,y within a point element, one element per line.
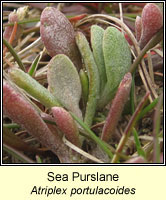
<point>153,42</point>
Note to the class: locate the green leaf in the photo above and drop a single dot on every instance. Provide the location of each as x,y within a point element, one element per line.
<point>94,81</point>
<point>34,65</point>
<point>64,83</point>
<point>85,85</point>
<point>140,150</point>
<point>32,87</point>
<point>97,34</point>
<point>117,57</point>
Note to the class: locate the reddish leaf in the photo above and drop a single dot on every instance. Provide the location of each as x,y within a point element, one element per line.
<point>117,107</point>
<point>66,124</point>
<point>17,108</point>
<point>58,35</point>
<point>152,21</point>
<point>138,27</point>
<point>137,159</point>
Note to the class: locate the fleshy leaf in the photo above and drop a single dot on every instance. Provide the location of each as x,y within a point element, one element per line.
<point>58,35</point>
<point>137,159</point>
<point>117,57</point>
<point>32,87</point>
<point>18,109</point>
<point>66,124</point>
<point>152,21</point>
<point>138,27</point>
<point>64,83</point>
<point>94,81</point>
<point>85,85</point>
<point>117,107</point>
<point>97,45</point>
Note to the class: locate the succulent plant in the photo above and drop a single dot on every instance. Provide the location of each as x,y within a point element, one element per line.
<point>17,108</point>
<point>138,26</point>
<point>117,106</point>
<point>66,124</point>
<point>84,86</point>
<point>97,34</point>
<point>58,35</point>
<point>151,21</point>
<point>93,75</point>
<point>137,159</point>
<point>117,58</point>
<point>64,83</point>
<point>35,89</point>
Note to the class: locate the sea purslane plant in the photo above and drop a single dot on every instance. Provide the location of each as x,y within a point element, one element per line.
<point>84,75</point>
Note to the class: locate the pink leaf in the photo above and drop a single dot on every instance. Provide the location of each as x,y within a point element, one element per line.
<point>138,27</point>
<point>17,108</point>
<point>137,159</point>
<point>152,21</point>
<point>58,35</point>
<point>66,124</point>
<point>117,107</point>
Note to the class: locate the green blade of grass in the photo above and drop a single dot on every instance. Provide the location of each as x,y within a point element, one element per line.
<point>23,22</point>
<point>92,135</point>
<point>148,109</point>
<point>12,125</point>
<point>34,65</point>
<point>14,54</point>
<point>38,159</point>
<point>138,144</point>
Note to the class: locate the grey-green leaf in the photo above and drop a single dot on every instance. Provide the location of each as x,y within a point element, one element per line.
<point>32,87</point>
<point>94,81</point>
<point>64,83</point>
<point>85,85</point>
<point>117,57</point>
<point>97,34</point>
